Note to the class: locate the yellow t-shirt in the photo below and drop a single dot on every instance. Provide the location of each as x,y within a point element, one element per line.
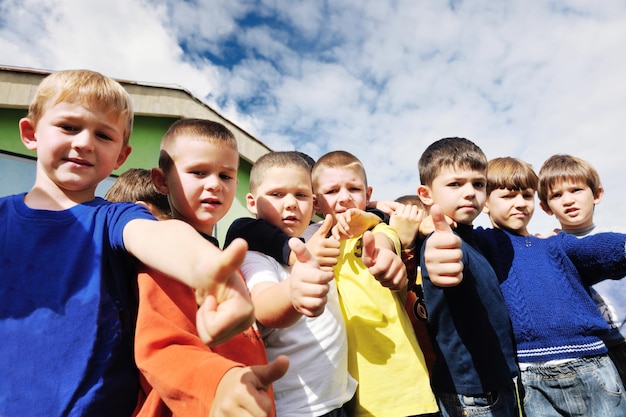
<point>383,353</point>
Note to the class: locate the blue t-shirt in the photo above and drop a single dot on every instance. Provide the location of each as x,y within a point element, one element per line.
<point>67,310</point>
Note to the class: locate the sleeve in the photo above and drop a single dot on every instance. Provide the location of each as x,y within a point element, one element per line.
<point>257,268</point>
<point>597,257</point>
<point>262,237</point>
<point>181,370</point>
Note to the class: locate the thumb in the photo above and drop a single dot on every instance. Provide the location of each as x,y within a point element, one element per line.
<point>233,255</point>
<point>439,220</point>
<point>325,227</point>
<point>370,251</point>
<point>302,252</point>
<point>269,373</point>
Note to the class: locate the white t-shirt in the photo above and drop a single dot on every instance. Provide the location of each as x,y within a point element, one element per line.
<point>317,380</point>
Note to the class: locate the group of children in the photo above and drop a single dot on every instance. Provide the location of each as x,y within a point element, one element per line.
<point>107,311</point>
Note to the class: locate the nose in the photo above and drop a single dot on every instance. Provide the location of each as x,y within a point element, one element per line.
<point>83,140</point>
<point>468,190</point>
<point>344,196</point>
<point>290,201</point>
<point>567,198</point>
<point>212,182</point>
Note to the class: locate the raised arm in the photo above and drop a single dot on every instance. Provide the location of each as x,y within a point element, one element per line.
<point>304,292</point>
<point>175,249</point>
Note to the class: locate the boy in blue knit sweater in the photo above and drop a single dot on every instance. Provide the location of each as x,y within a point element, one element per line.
<point>475,372</point>
<point>565,369</point>
<point>569,189</point>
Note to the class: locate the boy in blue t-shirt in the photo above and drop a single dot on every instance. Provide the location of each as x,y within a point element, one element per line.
<point>69,260</point>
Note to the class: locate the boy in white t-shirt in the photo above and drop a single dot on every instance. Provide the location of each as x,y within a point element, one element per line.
<point>297,308</point>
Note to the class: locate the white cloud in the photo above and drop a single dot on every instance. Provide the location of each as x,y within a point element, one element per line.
<point>379,79</point>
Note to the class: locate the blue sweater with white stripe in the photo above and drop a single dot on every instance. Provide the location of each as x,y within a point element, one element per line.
<point>544,283</point>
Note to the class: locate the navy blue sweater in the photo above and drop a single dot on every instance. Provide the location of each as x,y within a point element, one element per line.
<point>470,328</point>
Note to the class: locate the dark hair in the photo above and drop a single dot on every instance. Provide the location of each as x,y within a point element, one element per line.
<point>450,152</point>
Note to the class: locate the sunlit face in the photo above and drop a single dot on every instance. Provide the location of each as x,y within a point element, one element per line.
<point>201,182</point>
<point>340,189</point>
<point>460,193</point>
<point>572,204</point>
<point>511,209</point>
<point>284,199</point>
<point>77,147</point>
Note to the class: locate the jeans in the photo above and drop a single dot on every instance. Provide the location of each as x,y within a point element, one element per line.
<point>502,403</point>
<point>585,387</point>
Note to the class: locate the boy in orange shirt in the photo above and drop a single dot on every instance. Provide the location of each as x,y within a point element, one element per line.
<point>183,376</point>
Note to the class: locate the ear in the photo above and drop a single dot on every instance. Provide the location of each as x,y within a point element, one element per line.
<point>368,195</point>
<point>486,207</point>
<point>546,208</point>
<point>159,179</point>
<point>121,158</point>
<point>598,196</point>
<point>27,134</point>
<point>251,203</point>
<point>424,193</point>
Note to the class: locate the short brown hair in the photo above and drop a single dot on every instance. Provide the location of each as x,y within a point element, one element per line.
<point>337,159</point>
<point>450,152</point>
<point>275,159</point>
<point>89,88</point>
<point>559,168</point>
<point>510,174</point>
<point>135,185</point>
<point>198,129</point>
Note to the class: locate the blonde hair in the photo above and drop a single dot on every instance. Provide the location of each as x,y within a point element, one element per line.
<point>276,159</point>
<point>560,168</point>
<point>195,129</point>
<point>510,174</point>
<point>88,88</point>
<point>338,159</point>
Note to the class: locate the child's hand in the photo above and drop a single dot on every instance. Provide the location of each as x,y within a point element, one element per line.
<point>442,254</point>
<point>353,222</point>
<point>386,206</point>
<point>384,264</point>
<point>243,391</point>
<point>325,249</point>
<point>308,283</point>
<point>229,311</point>
<point>406,220</point>
<point>427,225</point>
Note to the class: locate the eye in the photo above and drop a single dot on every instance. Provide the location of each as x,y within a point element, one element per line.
<point>479,184</point>
<point>226,177</point>
<point>68,128</point>
<point>555,196</point>
<point>104,136</point>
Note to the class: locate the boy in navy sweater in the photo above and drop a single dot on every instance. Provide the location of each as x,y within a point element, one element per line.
<point>475,370</point>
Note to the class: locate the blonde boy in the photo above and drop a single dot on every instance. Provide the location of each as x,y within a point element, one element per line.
<point>383,353</point>
<point>198,173</point>
<point>69,260</point>
<point>296,307</point>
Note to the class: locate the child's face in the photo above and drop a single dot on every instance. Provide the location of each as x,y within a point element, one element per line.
<point>201,183</point>
<point>461,193</point>
<point>77,147</point>
<point>572,204</point>
<point>511,209</point>
<point>340,189</point>
<point>284,199</point>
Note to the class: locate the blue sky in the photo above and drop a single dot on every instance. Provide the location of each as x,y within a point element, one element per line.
<point>380,79</point>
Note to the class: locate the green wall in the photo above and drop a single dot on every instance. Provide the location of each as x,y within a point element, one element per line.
<point>145,140</point>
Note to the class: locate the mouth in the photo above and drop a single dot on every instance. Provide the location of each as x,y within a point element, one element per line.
<point>290,220</point>
<point>79,162</point>
<point>211,202</point>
